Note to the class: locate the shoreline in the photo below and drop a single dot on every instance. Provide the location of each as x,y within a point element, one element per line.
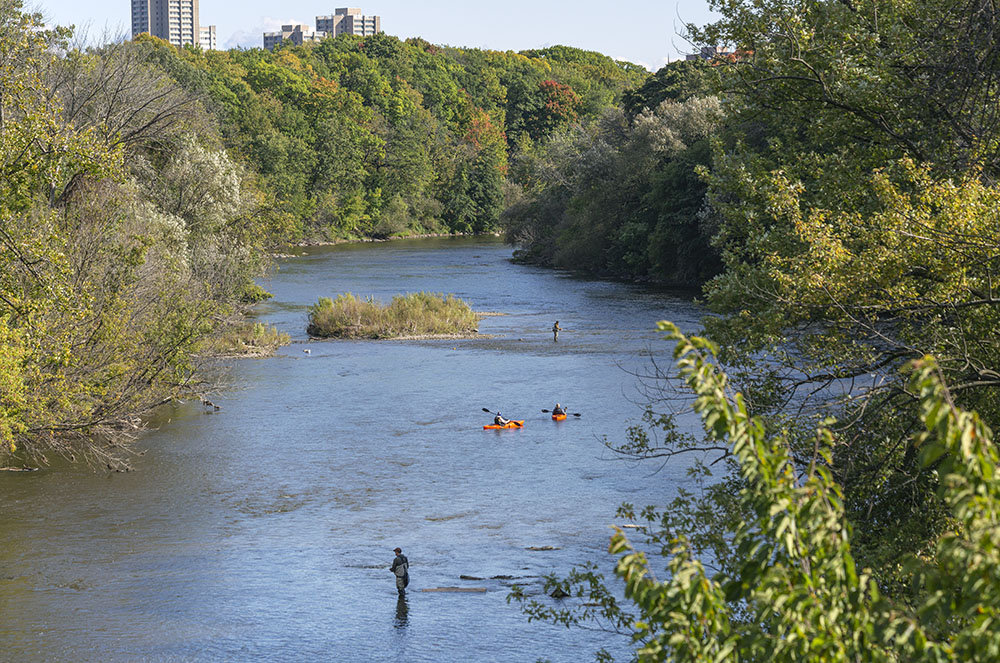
<point>375,240</point>
<point>408,337</point>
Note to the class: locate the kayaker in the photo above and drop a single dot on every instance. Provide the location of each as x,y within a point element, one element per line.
<point>401,569</point>
<point>500,421</point>
<point>555,331</point>
<point>558,409</point>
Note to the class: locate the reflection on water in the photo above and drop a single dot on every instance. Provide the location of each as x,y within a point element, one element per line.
<point>402,612</point>
<point>248,535</point>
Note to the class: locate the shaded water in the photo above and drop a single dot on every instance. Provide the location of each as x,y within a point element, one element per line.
<point>264,531</point>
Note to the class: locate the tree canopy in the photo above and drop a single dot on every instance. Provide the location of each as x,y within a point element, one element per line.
<point>357,137</point>
<point>127,236</point>
<point>851,203</point>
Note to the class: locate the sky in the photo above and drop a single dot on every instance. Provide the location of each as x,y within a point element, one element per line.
<point>645,32</point>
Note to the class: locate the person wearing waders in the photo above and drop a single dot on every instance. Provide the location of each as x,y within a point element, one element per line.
<point>555,331</point>
<point>401,568</point>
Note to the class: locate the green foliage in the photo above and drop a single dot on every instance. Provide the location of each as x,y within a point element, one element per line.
<point>855,195</point>
<point>598,80</point>
<point>621,196</point>
<point>789,588</point>
<point>553,105</point>
<point>126,237</point>
<point>251,339</point>
<point>375,137</point>
<point>413,314</point>
<point>677,81</point>
<point>852,206</point>
<point>13,386</point>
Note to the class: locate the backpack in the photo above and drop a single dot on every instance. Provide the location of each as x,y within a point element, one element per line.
<point>401,569</point>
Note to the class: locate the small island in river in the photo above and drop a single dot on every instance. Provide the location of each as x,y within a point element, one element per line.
<point>413,315</point>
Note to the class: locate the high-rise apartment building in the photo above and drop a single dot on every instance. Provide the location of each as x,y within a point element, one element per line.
<point>295,33</point>
<point>349,20</point>
<point>207,37</point>
<point>175,21</point>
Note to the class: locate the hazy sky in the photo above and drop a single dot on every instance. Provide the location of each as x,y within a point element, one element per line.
<point>644,32</point>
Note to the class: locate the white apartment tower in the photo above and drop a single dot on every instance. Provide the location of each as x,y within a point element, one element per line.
<point>297,33</point>
<point>349,20</point>
<point>175,21</point>
<point>208,40</point>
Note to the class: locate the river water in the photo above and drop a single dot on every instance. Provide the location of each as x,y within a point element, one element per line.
<point>263,531</point>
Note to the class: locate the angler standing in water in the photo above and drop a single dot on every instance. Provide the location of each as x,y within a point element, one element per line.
<point>401,568</point>
<point>555,331</point>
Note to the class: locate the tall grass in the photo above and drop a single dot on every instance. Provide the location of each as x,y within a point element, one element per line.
<point>413,314</point>
<point>251,339</point>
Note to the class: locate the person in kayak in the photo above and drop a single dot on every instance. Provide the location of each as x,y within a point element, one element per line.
<point>500,421</point>
<point>558,409</point>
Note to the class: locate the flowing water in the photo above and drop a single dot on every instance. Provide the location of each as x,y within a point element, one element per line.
<point>263,531</point>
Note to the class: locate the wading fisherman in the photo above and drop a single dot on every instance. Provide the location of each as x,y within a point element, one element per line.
<point>555,331</point>
<point>401,568</point>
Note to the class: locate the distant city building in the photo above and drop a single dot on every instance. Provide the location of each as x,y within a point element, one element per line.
<point>716,55</point>
<point>349,20</point>
<point>207,38</point>
<point>175,21</point>
<point>708,53</point>
<point>295,33</point>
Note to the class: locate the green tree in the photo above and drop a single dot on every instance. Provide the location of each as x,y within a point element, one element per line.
<point>109,278</point>
<point>621,196</point>
<point>854,197</point>
<point>790,589</point>
<point>676,81</point>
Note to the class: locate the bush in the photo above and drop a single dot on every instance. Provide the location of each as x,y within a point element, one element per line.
<point>247,340</point>
<point>413,314</point>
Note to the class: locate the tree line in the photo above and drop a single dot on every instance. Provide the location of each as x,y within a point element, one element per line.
<point>142,188</point>
<point>128,235</point>
<point>845,502</point>
<point>377,137</point>
<point>619,195</point>
<point>832,187</point>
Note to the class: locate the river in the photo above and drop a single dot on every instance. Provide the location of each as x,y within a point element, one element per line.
<point>263,531</point>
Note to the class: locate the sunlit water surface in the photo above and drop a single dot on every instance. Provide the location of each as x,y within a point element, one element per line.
<point>263,531</point>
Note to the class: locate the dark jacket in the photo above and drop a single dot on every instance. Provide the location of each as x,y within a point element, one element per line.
<point>401,561</point>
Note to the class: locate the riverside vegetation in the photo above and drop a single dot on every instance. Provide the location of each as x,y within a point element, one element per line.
<point>249,339</point>
<point>376,137</point>
<point>844,503</point>
<point>128,235</point>
<point>414,315</point>
<point>143,188</point>
<point>833,187</point>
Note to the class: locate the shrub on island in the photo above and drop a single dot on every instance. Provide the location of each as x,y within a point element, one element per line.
<point>251,339</point>
<point>417,314</point>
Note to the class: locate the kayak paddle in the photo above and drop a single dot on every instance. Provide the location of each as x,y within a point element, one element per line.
<point>575,414</point>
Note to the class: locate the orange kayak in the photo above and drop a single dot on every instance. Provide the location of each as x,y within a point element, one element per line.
<point>559,417</point>
<point>510,424</point>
